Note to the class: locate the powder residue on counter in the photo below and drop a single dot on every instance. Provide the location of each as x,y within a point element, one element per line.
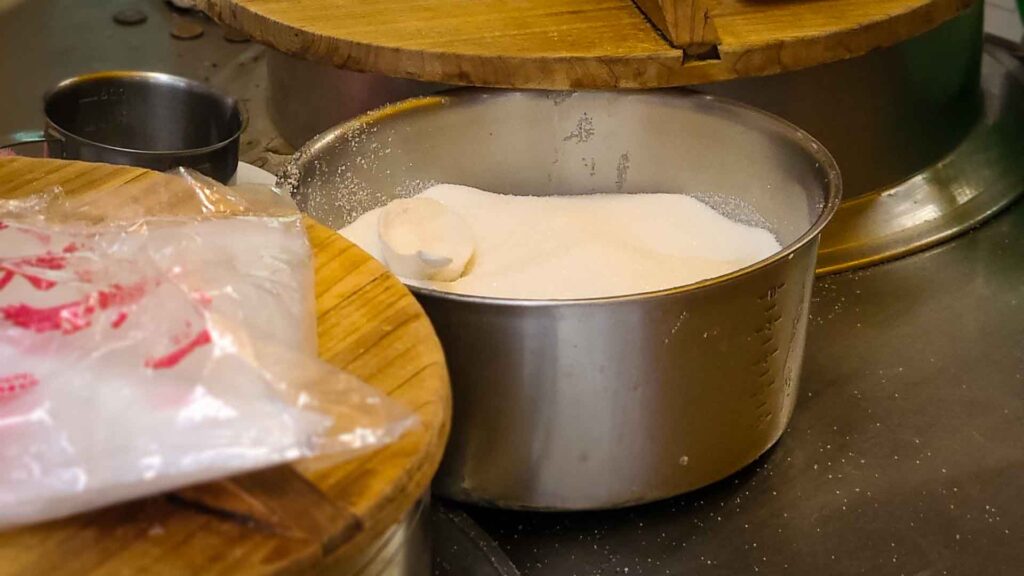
<point>589,246</point>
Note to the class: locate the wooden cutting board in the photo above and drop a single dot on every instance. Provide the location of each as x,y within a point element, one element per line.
<point>565,44</point>
<point>290,519</point>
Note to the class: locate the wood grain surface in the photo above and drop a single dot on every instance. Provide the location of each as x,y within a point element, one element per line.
<point>565,44</point>
<point>289,519</point>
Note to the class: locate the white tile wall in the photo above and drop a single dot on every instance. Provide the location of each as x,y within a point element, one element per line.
<point>1001,18</point>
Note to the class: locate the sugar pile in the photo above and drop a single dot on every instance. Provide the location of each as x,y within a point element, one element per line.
<point>599,245</point>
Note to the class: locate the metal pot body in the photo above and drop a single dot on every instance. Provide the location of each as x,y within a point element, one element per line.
<point>599,403</point>
<point>144,119</point>
<point>886,115</point>
<point>875,113</point>
<point>609,404</point>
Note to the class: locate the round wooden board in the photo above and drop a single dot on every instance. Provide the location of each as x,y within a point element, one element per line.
<point>290,518</point>
<point>568,44</point>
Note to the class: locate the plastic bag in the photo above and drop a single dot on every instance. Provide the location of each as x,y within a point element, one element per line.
<point>161,334</point>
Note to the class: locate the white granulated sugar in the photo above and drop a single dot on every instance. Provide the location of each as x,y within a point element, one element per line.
<point>559,247</point>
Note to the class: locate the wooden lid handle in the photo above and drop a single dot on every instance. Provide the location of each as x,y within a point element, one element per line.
<point>688,24</point>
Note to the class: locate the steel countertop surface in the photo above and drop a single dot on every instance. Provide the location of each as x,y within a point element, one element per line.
<point>906,451</point>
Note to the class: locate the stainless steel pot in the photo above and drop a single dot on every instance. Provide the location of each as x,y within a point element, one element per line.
<point>145,119</point>
<point>584,404</point>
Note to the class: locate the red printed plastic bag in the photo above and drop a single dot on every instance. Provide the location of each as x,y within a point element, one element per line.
<point>141,353</point>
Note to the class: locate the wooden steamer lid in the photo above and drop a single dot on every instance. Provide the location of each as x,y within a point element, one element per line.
<point>566,44</point>
<point>287,519</point>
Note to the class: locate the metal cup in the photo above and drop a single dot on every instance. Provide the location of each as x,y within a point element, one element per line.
<point>145,119</point>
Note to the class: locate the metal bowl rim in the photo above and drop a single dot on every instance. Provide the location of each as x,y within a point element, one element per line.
<point>830,170</point>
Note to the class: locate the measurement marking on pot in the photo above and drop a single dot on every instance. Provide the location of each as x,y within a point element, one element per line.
<point>770,349</point>
<point>591,165</point>
<point>795,332</point>
<point>675,327</point>
<point>621,171</point>
<point>772,292</point>
<point>583,132</point>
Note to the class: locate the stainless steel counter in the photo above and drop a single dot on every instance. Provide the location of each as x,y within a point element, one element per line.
<point>906,451</point>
